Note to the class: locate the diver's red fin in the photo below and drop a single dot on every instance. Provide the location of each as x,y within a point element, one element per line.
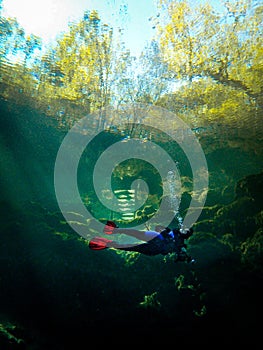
<point>98,243</point>
<point>109,227</point>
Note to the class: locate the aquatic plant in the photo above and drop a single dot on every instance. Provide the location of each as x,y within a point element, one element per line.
<point>201,312</point>
<point>7,331</point>
<point>129,257</point>
<point>197,292</point>
<point>252,252</point>
<point>151,301</point>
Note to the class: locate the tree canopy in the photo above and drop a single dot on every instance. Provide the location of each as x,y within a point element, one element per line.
<point>216,56</point>
<point>204,63</point>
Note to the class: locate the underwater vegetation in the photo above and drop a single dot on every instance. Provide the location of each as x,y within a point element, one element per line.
<point>151,301</point>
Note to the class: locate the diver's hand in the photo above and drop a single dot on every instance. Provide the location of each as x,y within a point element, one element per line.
<point>187,233</point>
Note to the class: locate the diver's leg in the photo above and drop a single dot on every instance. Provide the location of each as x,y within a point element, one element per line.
<point>116,245</point>
<point>146,236</point>
<point>99,243</point>
<point>143,248</point>
<point>141,235</point>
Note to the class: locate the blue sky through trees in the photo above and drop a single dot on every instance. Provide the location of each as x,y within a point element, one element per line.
<point>48,18</point>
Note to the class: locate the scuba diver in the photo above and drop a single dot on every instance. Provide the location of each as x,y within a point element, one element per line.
<point>161,241</point>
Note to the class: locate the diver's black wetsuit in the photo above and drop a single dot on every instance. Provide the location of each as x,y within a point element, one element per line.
<point>168,241</point>
<point>164,242</point>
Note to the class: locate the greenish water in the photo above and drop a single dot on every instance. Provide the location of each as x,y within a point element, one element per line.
<point>55,290</point>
